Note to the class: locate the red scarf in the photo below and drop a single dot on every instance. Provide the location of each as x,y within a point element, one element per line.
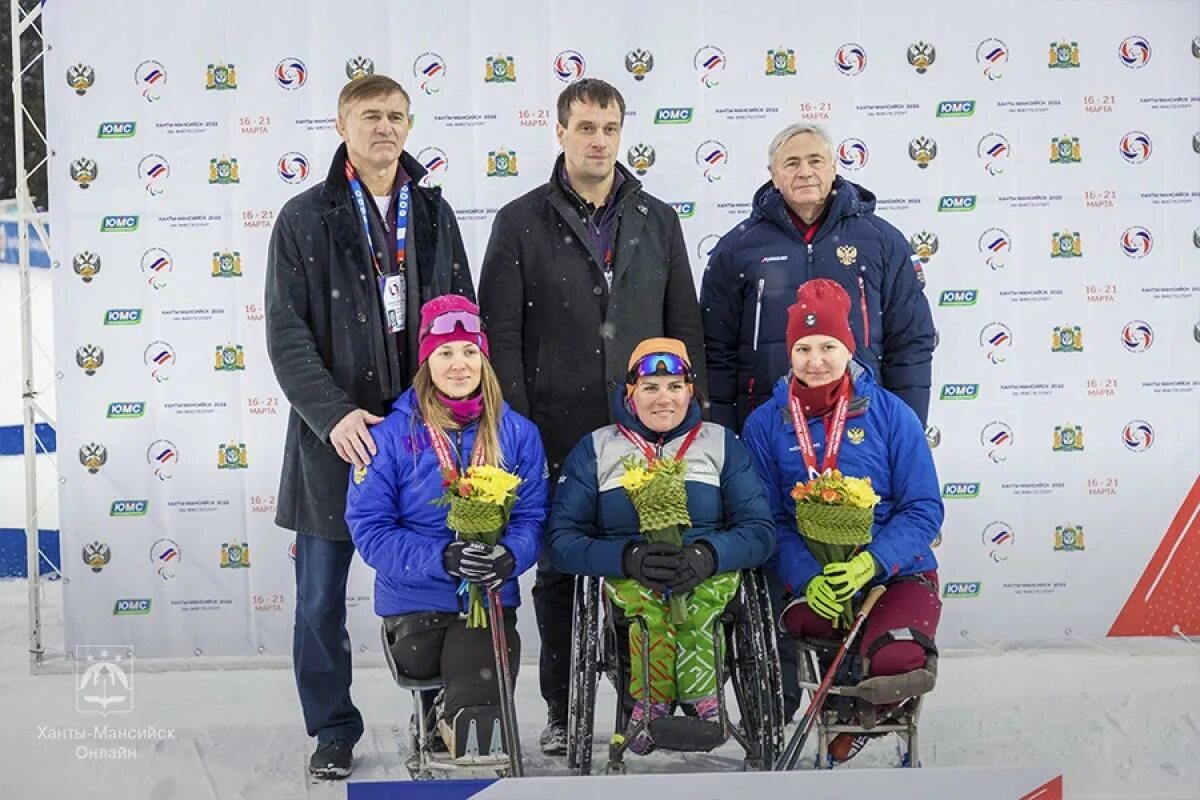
<point>806,230</point>
<point>817,400</point>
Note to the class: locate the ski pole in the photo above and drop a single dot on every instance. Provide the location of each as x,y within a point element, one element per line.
<point>791,753</point>
<point>508,714</point>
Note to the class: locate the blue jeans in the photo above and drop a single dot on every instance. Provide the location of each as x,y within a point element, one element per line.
<point>320,642</point>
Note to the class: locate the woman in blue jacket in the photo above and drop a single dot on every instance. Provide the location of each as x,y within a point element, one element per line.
<point>594,529</point>
<point>881,439</point>
<point>453,413</point>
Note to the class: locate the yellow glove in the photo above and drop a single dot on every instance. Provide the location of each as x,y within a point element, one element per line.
<point>821,599</point>
<point>847,577</point>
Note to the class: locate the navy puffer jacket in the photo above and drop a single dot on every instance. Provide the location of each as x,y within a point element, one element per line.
<point>592,518</point>
<point>751,280</point>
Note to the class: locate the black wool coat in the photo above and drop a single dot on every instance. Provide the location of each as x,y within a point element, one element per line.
<point>326,333</point>
<point>560,336</point>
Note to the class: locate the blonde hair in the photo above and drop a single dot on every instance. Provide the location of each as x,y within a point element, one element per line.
<point>434,412</point>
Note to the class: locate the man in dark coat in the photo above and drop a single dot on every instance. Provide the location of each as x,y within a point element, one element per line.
<point>808,223</point>
<point>346,276</point>
<point>577,272</point>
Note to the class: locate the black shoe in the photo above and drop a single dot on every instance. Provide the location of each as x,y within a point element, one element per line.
<point>554,736</point>
<point>332,760</point>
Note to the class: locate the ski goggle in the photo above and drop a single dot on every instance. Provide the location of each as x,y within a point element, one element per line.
<point>445,323</point>
<point>659,364</point>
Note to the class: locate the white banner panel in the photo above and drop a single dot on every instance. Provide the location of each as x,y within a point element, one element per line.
<point>1045,162</point>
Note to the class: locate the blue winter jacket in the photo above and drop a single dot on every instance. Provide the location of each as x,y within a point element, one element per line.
<point>592,519</point>
<point>751,280</point>
<point>402,535</point>
<point>883,441</point>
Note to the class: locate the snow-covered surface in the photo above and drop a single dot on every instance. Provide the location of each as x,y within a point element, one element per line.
<point>1120,724</point>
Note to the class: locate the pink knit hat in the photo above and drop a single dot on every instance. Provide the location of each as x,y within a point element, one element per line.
<point>449,318</point>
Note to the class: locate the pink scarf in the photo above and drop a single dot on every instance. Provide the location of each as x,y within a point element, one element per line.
<point>464,411</point>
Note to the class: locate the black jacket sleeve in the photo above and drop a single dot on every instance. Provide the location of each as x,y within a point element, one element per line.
<point>721,304</point>
<point>681,311</point>
<point>907,364</point>
<point>291,346</point>
<point>502,303</point>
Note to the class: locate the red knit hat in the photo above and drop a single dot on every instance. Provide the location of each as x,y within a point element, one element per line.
<point>822,307</point>
<point>463,325</point>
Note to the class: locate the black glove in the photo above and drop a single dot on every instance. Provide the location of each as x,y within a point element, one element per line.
<point>478,563</point>
<point>697,563</point>
<point>652,564</point>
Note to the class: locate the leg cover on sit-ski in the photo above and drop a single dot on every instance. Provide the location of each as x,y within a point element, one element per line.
<point>696,660</point>
<point>638,601</point>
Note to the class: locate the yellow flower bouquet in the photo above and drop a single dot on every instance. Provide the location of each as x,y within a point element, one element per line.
<point>656,489</point>
<point>480,501</point>
<point>834,514</point>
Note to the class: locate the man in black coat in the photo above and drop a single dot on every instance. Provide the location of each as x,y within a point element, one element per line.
<point>350,262</point>
<point>577,272</point>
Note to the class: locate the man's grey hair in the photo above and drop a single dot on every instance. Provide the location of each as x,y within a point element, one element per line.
<point>795,129</point>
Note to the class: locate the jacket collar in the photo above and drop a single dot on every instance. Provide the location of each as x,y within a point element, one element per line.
<point>406,406</point>
<point>337,189</point>
<point>628,184</point>
<point>847,199</point>
<point>861,379</point>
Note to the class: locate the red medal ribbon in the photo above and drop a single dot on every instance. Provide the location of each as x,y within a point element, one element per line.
<point>835,427</point>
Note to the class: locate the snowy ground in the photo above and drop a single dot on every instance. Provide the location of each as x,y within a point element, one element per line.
<point>1119,724</point>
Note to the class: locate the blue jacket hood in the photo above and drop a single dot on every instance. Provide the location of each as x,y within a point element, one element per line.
<point>848,199</point>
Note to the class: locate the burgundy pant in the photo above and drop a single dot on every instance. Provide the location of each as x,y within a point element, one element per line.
<point>905,604</point>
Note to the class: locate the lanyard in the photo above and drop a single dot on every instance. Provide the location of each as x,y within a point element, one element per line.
<point>441,447</point>
<point>835,426</point>
<point>649,451</point>
<point>402,209</point>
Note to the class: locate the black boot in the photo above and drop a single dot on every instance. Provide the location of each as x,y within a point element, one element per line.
<point>554,736</point>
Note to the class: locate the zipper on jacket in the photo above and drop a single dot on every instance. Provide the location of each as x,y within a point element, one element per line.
<point>810,272</point>
<point>758,310</point>
<point>658,446</point>
<point>866,317</point>
<point>458,437</point>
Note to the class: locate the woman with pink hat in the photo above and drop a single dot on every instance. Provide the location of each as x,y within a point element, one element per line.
<point>452,418</point>
<point>828,413</point>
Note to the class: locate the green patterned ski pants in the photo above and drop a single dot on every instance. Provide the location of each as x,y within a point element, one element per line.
<point>682,657</point>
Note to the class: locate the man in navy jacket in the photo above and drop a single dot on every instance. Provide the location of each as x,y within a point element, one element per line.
<point>807,223</point>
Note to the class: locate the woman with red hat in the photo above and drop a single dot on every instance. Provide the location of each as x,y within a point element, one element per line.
<point>452,417</point>
<point>881,439</point>
<point>594,530</point>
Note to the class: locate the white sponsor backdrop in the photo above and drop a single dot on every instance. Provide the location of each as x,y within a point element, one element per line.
<point>171,108</point>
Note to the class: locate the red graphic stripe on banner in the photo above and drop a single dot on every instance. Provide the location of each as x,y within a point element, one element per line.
<point>1051,790</point>
<point>1166,595</point>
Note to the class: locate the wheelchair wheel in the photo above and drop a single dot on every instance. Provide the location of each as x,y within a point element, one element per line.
<point>756,674</point>
<point>585,669</point>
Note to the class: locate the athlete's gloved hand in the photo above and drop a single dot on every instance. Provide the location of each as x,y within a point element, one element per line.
<point>821,599</point>
<point>847,577</point>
